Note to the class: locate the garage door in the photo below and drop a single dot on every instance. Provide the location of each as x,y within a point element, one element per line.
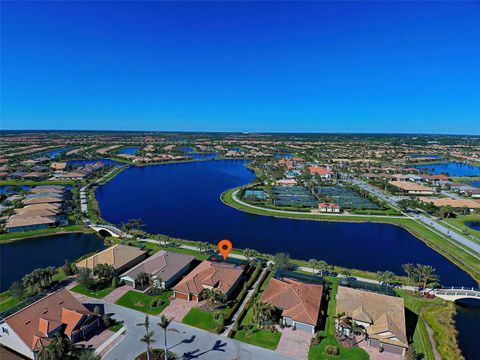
<point>179,295</point>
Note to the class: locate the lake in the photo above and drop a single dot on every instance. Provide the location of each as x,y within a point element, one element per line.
<point>19,258</point>
<point>452,168</point>
<point>54,153</point>
<point>183,200</point>
<point>128,151</point>
<point>475,225</point>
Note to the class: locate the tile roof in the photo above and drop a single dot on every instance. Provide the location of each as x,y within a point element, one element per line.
<point>410,186</point>
<point>298,301</point>
<point>116,255</point>
<point>33,322</point>
<point>386,314</point>
<point>210,274</point>
<point>163,264</point>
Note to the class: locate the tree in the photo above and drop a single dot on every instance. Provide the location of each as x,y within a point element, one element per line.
<point>17,289</point>
<point>251,255</point>
<point>164,323</point>
<point>322,266</point>
<point>69,268</point>
<point>282,261</point>
<point>215,297</point>
<point>135,223</point>
<point>87,354</point>
<point>409,270</point>
<point>148,337</point>
<point>203,247</point>
<point>143,279</point>
<point>263,314</point>
<point>58,348</point>
<point>426,274</point>
<point>105,272</point>
<point>84,278</point>
<point>313,263</point>
<point>385,277</point>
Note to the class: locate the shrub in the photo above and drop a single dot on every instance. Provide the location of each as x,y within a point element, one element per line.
<point>97,310</point>
<point>154,291</point>
<point>156,303</point>
<point>331,350</point>
<point>107,320</point>
<point>115,282</point>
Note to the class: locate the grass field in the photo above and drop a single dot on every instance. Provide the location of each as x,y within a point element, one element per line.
<point>459,223</point>
<point>42,232</point>
<point>99,294</point>
<point>142,302</point>
<point>201,319</point>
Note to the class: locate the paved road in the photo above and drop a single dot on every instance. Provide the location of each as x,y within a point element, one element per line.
<point>474,248</point>
<point>186,341</point>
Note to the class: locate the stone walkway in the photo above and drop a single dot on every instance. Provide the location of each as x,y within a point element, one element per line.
<point>117,293</point>
<point>294,343</point>
<point>178,308</point>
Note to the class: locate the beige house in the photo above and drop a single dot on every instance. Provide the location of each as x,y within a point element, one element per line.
<point>412,188</point>
<point>382,316</point>
<point>121,257</point>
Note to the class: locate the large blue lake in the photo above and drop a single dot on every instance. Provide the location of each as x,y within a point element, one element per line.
<point>452,168</point>
<point>183,200</point>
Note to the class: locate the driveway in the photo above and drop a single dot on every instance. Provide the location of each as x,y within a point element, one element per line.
<point>178,308</point>
<point>117,293</point>
<point>186,341</point>
<point>294,343</point>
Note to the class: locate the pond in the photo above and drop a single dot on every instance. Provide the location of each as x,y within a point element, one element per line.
<point>452,168</point>
<point>19,258</point>
<point>83,162</point>
<point>475,225</point>
<point>466,322</point>
<point>183,200</point>
<point>54,153</point>
<point>128,151</point>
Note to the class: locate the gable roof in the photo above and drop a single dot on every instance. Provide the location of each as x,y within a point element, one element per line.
<point>298,301</point>
<point>209,274</point>
<point>116,255</point>
<point>163,264</point>
<point>386,314</point>
<point>33,323</point>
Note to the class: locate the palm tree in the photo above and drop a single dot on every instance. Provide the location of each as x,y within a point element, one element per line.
<point>164,323</point>
<point>87,354</point>
<point>426,274</point>
<point>322,266</point>
<point>215,296</point>
<point>263,313</point>
<point>313,263</point>
<point>148,337</point>
<point>104,271</point>
<point>143,279</point>
<point>409,270</point>
<point>251,255</point>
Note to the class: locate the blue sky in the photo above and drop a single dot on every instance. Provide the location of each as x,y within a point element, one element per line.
<point>242,66</point>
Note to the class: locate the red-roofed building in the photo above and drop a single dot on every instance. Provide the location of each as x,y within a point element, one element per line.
<point>321,171</point>
<point>33,327</point>
<point>298,302</point>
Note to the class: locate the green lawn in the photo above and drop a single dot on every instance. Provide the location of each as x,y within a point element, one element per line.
<point>318,351</point>
<point>422,342</point>
<point>142,302</point>
<point>259,337</point>
<point>41,232</point>
<point>459,223</point>
<point>7,301</point>
<point>201,319</point>
<point>99,294</point>
<point>116,327</point>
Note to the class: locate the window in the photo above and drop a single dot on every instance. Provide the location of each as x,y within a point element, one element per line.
<point>4,330</point>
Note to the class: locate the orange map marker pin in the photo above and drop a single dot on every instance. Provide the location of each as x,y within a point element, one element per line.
<point>224,246</point>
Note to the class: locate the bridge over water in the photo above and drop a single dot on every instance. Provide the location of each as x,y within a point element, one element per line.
<point>457,293</point>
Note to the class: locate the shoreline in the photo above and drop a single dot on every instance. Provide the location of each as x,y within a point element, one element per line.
<point>228,199</point>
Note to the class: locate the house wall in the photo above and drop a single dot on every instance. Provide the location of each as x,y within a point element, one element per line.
<point>10,339</point>
<point>232,289</point>
<point>179,295</point>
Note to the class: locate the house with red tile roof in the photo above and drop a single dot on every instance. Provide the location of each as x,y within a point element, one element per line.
<point>33,327</point>
<point>321,171</point>
<point>208,275</point>
<point>298,302</point>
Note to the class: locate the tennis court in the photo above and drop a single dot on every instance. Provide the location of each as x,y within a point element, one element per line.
<point>345,197</point>
<point>293,196</point>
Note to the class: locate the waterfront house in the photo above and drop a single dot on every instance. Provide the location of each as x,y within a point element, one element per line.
<point>381,316</point>
<point>286,182</point>
<point>299,303</point>
<point>210,275</point>
<point>33,327</point>
<point>58,166</point>
<point>454,203</point>
<point>166,267</point>
<point>18,223</point>
<point>121,257</point>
